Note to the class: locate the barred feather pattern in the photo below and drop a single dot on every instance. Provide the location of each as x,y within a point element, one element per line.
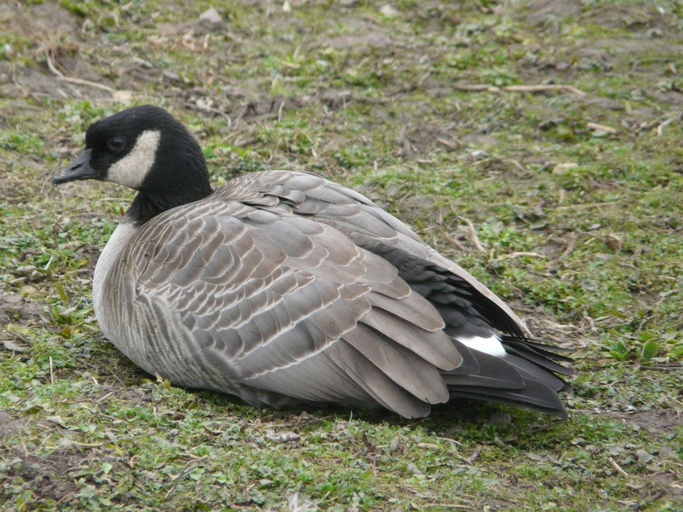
<point>284,288</point>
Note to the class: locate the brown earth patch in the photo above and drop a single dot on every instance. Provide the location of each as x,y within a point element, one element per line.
<point>32,21</point>
<point>637,18</point>
<point>376,40</point>
<point>47,477</point>
<point>9,425</point>
<point>657,421</point>
<point>544,12</point>
<point>15,308</point>
<point>52,31</point>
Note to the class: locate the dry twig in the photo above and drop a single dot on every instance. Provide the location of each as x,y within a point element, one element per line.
<point>586,205</point>
<point>455,242</point>
<point>601,128</point>
<point>72,80</point>
<point>518,166</point>
<point>519,88</point>
<point>663,368</point>
<point>660,128</point>
<point>448,439</point>
<point>519,255</point>
<point>449,144</point>
<point>617,467</point>
<point>456,506</point>
<point>472,234</point>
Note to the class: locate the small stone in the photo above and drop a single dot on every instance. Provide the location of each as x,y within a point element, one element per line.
<point>283,437</point>
<point>643,456</point>
<point>13,346</point>
<point>413,469</point>
<point>210,20</point>
<point>478,154</point>
<point>667,452</point>
<point>614,242</point>
<point>122,96</point>
<point>57,420</point>
<point>25,270</point>
<point>65,443</point>
<point>28,290</point>
<point>172,76</point>
<point>389,11</point>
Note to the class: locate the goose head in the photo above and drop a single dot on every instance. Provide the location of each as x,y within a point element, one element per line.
<point>148,150</point>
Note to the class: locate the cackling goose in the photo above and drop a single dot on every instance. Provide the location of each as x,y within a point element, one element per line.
<point>285,288</point>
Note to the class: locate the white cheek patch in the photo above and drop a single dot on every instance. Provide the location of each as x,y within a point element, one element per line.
<point>132,168</point>
<point>490,345</point>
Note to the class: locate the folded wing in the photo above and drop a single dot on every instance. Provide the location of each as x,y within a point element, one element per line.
<point>250,299</point>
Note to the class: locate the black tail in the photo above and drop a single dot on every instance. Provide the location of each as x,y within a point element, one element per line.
<point>528,376</point>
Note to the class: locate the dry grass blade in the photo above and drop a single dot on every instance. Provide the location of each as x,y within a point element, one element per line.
<point>520,254</point>
<point>520,88</point>
<point>661,126</point>
<point>472,234</point>
<point>455,242</point>
<point>571,244</point>
<point>617,467</point>
<point>601,128</point>
<point>457,506</point>
<point>72,80</point>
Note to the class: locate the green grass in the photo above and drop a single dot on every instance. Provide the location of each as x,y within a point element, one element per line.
<point>580,228</point>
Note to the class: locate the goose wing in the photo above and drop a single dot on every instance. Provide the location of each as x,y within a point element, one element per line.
<point>525,372</point>
<point>248,298</point>
<point>374,229</point>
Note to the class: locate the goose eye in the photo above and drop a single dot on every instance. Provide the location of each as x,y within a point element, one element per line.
<point>116,144</point>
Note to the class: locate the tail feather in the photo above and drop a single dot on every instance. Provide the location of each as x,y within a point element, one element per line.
<point>489,372</point>
<point>535,396</point>
<point>531,371</point>
<point>540,361</point>
<point>540,349</point>
<point>527,376</point>
<point>551,349</point>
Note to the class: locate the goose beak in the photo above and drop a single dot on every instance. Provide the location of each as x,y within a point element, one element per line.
<point>79,169</point>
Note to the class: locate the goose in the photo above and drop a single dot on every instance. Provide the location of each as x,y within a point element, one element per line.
<point>286,289</point>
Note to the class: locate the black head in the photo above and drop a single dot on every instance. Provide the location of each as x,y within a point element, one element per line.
<point>146,149</point>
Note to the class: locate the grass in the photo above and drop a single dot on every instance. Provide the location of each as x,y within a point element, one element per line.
<point>580,228</point>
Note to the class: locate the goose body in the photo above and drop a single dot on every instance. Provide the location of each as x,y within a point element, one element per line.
<point>285,288</point>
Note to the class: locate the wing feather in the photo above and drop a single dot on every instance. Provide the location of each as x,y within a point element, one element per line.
<point>260,302</point>
<point>435,347</point>
<point>402,366</point>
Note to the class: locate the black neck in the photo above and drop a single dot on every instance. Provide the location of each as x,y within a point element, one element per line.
<point>178,176</point>
<point>145,206</point>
